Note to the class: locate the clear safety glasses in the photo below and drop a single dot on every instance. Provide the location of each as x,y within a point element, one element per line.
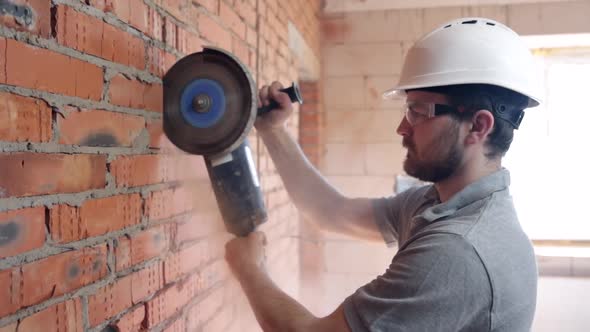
<point>418,112</point>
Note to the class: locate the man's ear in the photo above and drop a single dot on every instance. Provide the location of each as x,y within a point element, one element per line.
<point>482,124</point>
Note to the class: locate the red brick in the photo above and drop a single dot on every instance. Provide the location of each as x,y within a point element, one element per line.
<point>122,47</point>
<point>169,302</point>
<point>95,217</point>
<point>262,8</point>
<point>181,263</point>
<point>284,49</point>
<point>205,309</point>
<point>240,49</point>
<point>273,6</point>
<point>175,8</point>
<point>169,33</point>
<point>138,14</point>
<point>131,321</point>
<point>157,137</point>
<point>279,27</point>
<point>170,202</point>
<point>231,18</point>
<point>28,174</point>
<point>246,11</point>
<point>99,128</point>
<point>213,32</point>
<point>10,293</point>
<point>64,316</point>
<point>159,61</point>
<point>21,231</point>
<point>122,253</point>
<point>45,70</point>
<point>178,326</point>
<point>210,5</point>
<point>79,31</point>
<point>199,225</point>
<point>109,301</point>
<point>146,282</point>
<point>141,246</point>
<point>91,35</point>
<point>154,24</point>
<point>187,42</point>
<point>24,119</point>
<point>282,64</point>
<point>139,170</point>
<point>135,94</point>
<point>53,276</point>
<point>2,60</point>
<point>129,11</point>
<point>134,12</point>
<point>251,37</point>
<point>273,39</point>
<point>40,24</point>
<point>309,118</point>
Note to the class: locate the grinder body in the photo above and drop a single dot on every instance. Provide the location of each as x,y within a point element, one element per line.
<point>237,189</point>
<point>209,109</point>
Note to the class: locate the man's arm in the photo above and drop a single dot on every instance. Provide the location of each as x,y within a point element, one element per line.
<point>310,192</point>
<point>273,308</point>
<point>277,311</point>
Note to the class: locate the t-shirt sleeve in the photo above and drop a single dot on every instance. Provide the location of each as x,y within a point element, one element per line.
<point>386,220</point>
<point>388,215</point>
<point>436,283</point>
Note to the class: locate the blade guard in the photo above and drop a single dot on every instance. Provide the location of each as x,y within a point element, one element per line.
<point>227,85</point>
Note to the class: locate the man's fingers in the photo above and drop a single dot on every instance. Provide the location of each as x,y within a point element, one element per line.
<point>263,95</point>
<point>281,97</point>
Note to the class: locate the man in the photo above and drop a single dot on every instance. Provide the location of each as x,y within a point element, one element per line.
<point>463,261</point>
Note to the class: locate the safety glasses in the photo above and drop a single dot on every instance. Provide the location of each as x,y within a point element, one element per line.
<point>418,112</point>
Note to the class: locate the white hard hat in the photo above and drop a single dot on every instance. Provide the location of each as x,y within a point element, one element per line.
<point>471,51</point>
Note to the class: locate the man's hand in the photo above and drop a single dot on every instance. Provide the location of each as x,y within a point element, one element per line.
<point>277,117</point>
<point>246,253</point>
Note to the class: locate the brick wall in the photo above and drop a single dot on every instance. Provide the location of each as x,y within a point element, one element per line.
<point>102,221</point>
<point>362,54</point>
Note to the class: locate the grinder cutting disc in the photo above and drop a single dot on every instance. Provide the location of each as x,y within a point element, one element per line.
<point>209,102</point>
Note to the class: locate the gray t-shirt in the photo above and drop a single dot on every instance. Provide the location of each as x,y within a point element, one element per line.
<point>463,265</point>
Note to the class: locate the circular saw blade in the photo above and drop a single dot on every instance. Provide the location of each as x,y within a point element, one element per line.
<point>209,102</point>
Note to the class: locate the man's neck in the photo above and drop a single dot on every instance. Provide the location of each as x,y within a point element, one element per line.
<point>464,176</point>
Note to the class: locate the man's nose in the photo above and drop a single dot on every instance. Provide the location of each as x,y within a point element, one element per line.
<point>404,128</point>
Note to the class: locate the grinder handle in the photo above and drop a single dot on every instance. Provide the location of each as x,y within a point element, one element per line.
<point>294,95</point>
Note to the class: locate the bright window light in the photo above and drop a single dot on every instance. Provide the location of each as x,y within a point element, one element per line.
<point>549,159</point>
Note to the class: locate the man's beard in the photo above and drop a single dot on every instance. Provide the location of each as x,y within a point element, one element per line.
<point>444,158</point>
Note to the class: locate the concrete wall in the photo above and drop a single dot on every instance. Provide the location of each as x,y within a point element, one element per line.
<point>102,221</point>
<point>362,54</point>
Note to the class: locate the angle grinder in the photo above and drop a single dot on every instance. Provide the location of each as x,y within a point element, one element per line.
<point>209,109</point>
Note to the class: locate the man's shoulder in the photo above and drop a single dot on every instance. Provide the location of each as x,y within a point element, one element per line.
<point>412,195</point>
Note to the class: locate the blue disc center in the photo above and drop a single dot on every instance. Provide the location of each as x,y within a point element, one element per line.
<point>209,91</point>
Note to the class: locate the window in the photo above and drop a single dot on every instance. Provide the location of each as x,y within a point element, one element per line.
<point>549,159</point>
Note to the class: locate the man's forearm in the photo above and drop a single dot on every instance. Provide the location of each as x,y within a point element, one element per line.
<point>310,192</point>
<point>274,309</point>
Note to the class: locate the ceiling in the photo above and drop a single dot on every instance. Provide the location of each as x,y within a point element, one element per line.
<point>339,6</point>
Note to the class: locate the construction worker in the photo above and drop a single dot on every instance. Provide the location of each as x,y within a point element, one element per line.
<point>463,261</point>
